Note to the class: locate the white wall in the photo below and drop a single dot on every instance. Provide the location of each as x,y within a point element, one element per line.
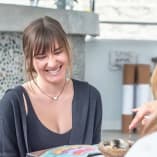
<point>109,82</point>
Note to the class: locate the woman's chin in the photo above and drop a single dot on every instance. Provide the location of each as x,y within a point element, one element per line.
<point>57,79</point>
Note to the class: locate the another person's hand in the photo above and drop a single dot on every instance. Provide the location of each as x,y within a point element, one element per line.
<point>144,115</point>
<point>151,125</point>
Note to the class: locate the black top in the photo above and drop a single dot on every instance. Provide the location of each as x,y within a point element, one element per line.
<point>41,137</point>
<point>86,119</point>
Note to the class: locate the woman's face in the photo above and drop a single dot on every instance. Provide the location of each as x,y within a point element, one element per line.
<point>51,66</point>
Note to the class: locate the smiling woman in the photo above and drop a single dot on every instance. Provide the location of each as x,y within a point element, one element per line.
<point>44,112</point>
<point>47,51</point>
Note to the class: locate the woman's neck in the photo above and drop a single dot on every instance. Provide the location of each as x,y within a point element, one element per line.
<point>50,89</point>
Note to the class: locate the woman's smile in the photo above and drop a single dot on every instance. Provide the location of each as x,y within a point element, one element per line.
<point>54,71</point>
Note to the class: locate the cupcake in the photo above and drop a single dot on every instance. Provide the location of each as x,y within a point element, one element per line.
<point>115,147</point>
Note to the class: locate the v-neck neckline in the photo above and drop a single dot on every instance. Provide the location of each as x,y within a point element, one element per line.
<point>28,100</point>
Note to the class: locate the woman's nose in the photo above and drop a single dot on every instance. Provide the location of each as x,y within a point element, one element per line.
<point>51,60</point>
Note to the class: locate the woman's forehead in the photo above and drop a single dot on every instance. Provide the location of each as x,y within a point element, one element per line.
<point>51,44</point>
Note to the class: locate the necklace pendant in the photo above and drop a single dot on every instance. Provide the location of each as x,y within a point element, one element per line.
<point>55,98</point>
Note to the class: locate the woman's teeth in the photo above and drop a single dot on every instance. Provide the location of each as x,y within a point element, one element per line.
<point>54,72</point>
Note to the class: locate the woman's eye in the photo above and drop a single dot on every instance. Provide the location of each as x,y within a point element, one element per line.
<point>58,52</point>
<point>40,56</point>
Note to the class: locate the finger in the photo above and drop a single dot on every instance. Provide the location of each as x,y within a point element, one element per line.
<point>146,119</point>
<point>135,110</point>
<point>138,118</point>
<point>150,124</point>
<point>134,123</point>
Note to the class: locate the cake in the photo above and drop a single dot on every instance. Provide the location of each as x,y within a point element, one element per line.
<point>115,147</point>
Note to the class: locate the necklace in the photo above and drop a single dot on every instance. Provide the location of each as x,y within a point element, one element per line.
<point>52,97</point>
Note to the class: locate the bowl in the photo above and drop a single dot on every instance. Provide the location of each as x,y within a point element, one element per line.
<point>115,147</point>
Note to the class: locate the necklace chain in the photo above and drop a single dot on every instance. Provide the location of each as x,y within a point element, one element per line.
<point>52,97</point>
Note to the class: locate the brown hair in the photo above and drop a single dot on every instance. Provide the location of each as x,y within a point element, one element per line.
<point>154,82</point>
<point>39,37</point>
